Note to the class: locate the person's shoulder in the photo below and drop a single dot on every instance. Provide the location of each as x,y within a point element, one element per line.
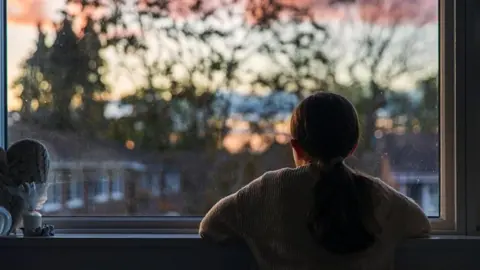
<point>275,178</point>
<point>381,186</point>
<point>382,193</point>
<point>269,177</point>
<point>285,175</point>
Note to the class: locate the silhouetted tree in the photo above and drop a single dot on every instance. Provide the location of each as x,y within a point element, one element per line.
<point>195,55</point>
<point>427,112</point>
<point>360,57</point>
<point>64,82</point>
<point>34,91</point>
<point>63,73</point>
<point>91,87</point>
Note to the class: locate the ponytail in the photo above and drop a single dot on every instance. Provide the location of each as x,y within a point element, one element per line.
<point>341,204</point>
<point>325,127</point>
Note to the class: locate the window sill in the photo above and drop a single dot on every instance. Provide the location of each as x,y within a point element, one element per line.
<point>187,251</point>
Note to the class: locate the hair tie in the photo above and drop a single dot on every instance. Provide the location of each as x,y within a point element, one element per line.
<point>335,161</point>
<point>331,164</point>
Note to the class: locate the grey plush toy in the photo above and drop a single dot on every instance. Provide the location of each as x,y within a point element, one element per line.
<point>23,182</point>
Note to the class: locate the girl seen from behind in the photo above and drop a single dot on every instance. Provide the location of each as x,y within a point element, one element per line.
<point>321,214</point>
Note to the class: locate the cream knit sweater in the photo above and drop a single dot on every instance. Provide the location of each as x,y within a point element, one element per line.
<point>270,215</point>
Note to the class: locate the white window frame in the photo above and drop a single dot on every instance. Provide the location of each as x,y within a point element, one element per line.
<point>101,188</point>
<point>459,127</point>
<point>76,186</point>
<point>452,121</point>
<point>118,184</point>
<point>54,203</point>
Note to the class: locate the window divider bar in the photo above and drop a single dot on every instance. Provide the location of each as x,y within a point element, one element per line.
<point>469,75</point>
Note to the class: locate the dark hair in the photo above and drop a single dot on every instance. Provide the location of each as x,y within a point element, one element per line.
<point>326,127</point>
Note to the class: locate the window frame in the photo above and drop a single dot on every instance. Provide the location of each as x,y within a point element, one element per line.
<point>452,99</point>
<point>454,130</point>
<point>472,115</point>
<point>55,187</point>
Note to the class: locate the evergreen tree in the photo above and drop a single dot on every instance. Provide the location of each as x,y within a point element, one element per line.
<point>149,125</point>
<point>71,69</point>
<point>428,111</point>
<point>34,89</point>
<point>65,65</point>
<point>90,85</point>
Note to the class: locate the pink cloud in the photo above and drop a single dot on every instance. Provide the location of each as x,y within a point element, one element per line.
<point>376,11</point>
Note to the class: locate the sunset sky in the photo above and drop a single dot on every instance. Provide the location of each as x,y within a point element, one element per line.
<point>23,16</point>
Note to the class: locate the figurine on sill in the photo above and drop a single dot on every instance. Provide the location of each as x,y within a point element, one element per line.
<point>23,188</point>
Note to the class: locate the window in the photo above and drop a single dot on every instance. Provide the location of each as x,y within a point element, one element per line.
<point>151,182</point>
<point>207,93</point>
<point>145,182</point>
<point>155,184</point>
<point>118,185</point>
<point>76,190</point>
<point>54,194</point>
<point>172,184</point>
<point>100,188</point>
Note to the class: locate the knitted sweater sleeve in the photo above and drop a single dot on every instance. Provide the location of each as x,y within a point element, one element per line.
<point>220,224</point>
<point>226,220</point>
<point>410,219</point>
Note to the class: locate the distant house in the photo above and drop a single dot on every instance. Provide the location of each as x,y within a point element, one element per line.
<point>99,177</point>
<point>207,176</point>
<point>92,176</point>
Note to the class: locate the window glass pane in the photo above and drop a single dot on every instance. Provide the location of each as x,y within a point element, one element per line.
<point>152,109</point>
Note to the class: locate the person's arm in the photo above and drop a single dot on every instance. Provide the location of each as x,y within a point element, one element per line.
<point>230,219</point>
<point>221,223</point>
<point>410,219</point>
